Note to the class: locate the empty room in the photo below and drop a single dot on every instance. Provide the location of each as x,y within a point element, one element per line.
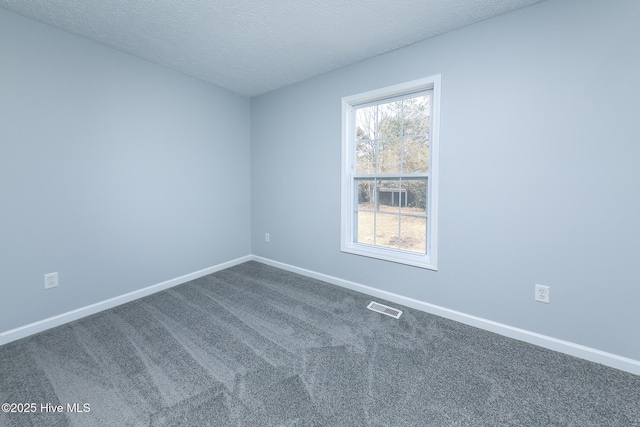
<point>319,213</point>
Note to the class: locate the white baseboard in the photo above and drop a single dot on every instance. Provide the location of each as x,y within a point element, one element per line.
<point>577,350</point>
<point>51,322</point>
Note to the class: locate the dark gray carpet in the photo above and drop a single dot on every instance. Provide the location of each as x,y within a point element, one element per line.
<point>257,346</point>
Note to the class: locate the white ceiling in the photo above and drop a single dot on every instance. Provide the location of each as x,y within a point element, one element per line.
<point>252,46</point>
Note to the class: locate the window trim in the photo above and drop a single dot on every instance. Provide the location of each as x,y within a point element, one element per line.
<point>347,244</point>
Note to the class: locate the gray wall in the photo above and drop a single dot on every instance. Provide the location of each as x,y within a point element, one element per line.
<point>115,172</point>
<point>539,171</point>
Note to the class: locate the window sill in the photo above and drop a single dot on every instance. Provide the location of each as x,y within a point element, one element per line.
<point>397,256</point>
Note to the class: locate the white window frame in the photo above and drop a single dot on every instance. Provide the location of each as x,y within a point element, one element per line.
<point>349,104</point>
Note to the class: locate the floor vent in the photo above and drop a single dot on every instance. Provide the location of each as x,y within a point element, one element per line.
<point>380,308</point>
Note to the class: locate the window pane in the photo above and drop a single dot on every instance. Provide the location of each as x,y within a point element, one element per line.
<point>415,154</point>
<point>364,215</point>
<point>390,196</point>
<point>390,120</point>
<point>365,189</point>
<point>413,234</point>
<point>417,115</point>
<point>364,227</point>
<point>365,156</point>
<point>387,230</point>
<point>366,123</point>
<point>389,155</point>
<point>413,221</point>
<point>416,196</point>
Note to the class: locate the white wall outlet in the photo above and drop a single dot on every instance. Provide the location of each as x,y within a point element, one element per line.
<point>266,237</point>
<point>543,293</point>
<point>50,280</point>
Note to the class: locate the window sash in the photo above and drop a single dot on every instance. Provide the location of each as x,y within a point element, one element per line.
<point>415,242</point>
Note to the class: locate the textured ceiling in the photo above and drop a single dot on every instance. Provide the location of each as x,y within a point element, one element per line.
<point>251,46</point>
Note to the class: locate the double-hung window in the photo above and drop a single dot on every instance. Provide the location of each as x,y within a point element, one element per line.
<point>389,173</point>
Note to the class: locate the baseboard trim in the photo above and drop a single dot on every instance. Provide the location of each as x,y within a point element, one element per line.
<point>51,322</point>
<point>577,350</point>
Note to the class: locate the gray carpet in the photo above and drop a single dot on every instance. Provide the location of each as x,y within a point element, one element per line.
<point>257,346</point>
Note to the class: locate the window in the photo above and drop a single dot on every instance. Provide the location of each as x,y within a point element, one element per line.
<point>389,173</point>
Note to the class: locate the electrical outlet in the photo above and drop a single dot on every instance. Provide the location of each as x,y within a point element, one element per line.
<point>266,237</point>
<point>50,280</point>
<point>543,293</point>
